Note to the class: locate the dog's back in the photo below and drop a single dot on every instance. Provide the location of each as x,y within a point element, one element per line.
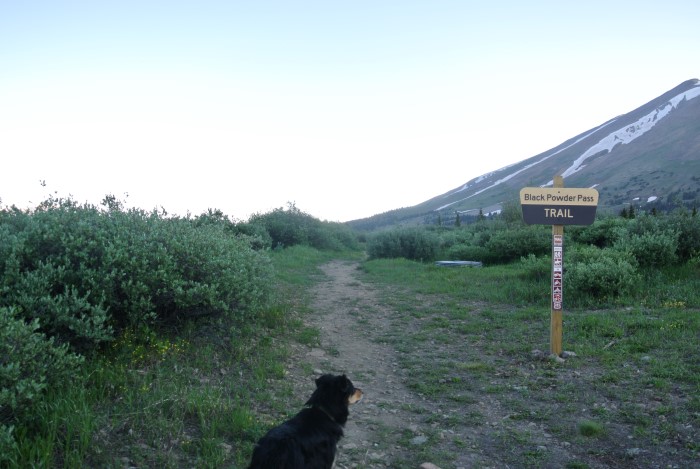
<point>309,440</point>
<point>281,453</point>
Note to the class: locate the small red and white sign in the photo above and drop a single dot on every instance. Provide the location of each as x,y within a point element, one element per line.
<point>557,272</point>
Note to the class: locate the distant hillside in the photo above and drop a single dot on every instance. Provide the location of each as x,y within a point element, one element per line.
<point>647,157</point>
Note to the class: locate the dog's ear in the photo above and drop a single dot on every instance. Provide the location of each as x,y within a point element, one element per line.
<point>347,386</point>
<point>323,379</point>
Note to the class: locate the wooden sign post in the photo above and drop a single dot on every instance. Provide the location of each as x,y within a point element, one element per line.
<point>556,329</point>
<point>558,206</point>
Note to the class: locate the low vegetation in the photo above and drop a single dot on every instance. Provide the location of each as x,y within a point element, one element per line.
<point>105,312</point>
<point>612,258</point>
<point>136,338</point>
<point>474,343</point>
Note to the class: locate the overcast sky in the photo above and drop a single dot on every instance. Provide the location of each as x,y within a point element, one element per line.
<point>346,108</point>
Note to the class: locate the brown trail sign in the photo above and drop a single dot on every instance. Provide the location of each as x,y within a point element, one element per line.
<point>558,206</point>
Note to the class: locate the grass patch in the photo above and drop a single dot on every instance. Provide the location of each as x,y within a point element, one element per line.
<point>591,429</point>
<point>308,336</point>
<point>467,337</point>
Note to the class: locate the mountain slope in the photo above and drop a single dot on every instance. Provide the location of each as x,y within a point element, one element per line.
<point>649,155</point>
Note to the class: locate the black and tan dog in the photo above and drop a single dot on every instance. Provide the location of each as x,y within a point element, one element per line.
<point>309,440</point>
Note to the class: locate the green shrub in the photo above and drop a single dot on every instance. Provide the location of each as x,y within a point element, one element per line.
<point>651,249</point>
<point>45,256</point>
<point>293,227</point>
<point>285,227</point>
<point>604,232</point>
<point>80,270</point>
<point>30,363</point>
<point>467,252</point>
<point>645,224</point>
<point>341,235</point>
<point>8,446</point>
<point>537,268</point>
<point>688,229</point>
<point>409,243</point>
<point>190,271</point>
<point>454,238</point>
<point>512,244</point>
<point>593,273</point>
<point>255,234</point>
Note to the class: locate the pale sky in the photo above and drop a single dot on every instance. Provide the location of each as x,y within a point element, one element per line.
<point>347,109</point>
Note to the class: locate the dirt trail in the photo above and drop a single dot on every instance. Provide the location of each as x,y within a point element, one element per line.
<point>393,425</point>
<point>350,318</point>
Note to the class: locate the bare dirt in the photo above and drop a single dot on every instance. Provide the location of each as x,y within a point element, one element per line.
<point>347,312</point>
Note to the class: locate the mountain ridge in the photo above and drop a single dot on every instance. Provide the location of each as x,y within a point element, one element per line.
<point>648,155</point>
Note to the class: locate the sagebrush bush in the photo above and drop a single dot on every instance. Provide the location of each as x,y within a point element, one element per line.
<point>591,273</point>
<point>409,243</point>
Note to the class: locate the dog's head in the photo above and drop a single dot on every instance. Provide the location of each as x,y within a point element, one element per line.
<point>334,394</point>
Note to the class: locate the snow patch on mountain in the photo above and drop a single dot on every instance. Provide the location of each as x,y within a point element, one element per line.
<point>621,136</point>
<point>476,181</point>
<point>631,132</point>
<point>511,175</point>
